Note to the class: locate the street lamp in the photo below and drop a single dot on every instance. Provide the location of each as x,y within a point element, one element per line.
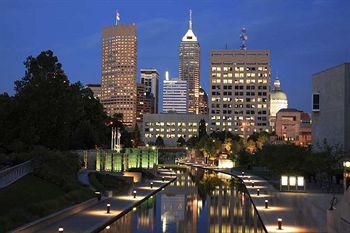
<point>60,230</point>
<point>279,223</point>
<point>98,195</point>
<point>108,208</point>
<point>266,204</point>
<point>258,192</point>
<point>253,184</point>
<point>134,192</point>
<point>151,185</point>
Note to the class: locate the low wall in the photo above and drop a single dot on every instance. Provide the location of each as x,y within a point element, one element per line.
<point>12,174</point>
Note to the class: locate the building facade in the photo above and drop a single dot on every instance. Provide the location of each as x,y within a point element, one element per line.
<point>175,96</point>
<point>293,126</point>
<point>119,62</point>
<point>203,102</point>
<point>150,78</point>
<point>239,91</point>
<point>96,89</point>
<point>278,101</point>
<point>331,107</point>
<point>189,67</point>
<point>144,105</point>
<point>170,126</point>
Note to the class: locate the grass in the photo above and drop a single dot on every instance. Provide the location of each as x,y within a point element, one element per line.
<point>31,198</point>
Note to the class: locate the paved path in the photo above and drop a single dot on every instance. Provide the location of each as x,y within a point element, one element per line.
<point>300,212</point>
<point>95,217</point>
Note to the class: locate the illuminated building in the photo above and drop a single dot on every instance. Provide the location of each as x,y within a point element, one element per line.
<point>203,102</point>
<point>189,67</point>
<point>150,78</point>
<point>278,101</point>
<point>96,89</point>
<point>331,107</point>
<point>119,61</point>
<point>175,96</point>
<point>239,91</point>
<point>170,126</point>
<point>143,105</point>
<point>293,126</point>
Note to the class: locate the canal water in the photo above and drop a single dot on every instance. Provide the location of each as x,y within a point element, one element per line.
<point>198,201</point>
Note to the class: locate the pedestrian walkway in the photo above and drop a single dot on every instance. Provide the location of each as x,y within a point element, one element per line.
<point>96,218</point>
<point>299,212</point>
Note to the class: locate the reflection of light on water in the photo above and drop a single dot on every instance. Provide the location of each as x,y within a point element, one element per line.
<point>164,224</point>
<point>200,206</point>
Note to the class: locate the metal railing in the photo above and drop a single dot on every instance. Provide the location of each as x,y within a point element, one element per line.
<point>12,174</point>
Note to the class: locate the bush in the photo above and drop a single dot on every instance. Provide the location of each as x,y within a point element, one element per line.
<point>103,182</point>
<point>146,174</point>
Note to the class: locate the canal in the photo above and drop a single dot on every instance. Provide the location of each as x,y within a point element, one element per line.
<point>198,201</point>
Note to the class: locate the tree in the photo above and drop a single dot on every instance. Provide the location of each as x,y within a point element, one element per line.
<point>47,110</point>
<point>202,129</point>
<point>136,137</point>
<point>181,141</point>
<point>159,141</point>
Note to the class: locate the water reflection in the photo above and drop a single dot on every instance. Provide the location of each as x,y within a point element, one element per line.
<point>198,201</point>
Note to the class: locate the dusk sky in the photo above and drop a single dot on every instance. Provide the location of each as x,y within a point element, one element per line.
<point>304,36</point>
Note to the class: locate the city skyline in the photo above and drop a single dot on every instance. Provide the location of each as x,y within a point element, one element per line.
<point>296,43</point>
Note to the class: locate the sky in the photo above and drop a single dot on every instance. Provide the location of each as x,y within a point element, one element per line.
<point>304,36</point>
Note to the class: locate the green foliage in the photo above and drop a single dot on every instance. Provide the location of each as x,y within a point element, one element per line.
<point>202,129</point>
<point>159,141</point>
<point>146,174</point>
<point>181,141</point>
<point>136,137</point>
<point>103,182</point>
<point>47,110</point>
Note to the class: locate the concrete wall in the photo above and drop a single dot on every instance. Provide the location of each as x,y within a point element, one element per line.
<point>329,122</point>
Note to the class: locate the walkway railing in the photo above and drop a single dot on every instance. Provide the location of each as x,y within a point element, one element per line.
<point>12,174</point>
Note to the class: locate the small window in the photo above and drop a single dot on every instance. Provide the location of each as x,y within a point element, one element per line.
<point>316,102</point>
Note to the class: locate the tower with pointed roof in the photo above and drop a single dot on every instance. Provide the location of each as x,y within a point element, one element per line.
<point>189,67</point>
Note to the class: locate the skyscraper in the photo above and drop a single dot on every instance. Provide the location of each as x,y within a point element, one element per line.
<point>189,66</point>
<point>203,101</point>
<point>143,105</point>
<point>278,101</point>
<point>239,90</point>
<point>119,62</point>
<point>175,96</point>
<point>150,78</point>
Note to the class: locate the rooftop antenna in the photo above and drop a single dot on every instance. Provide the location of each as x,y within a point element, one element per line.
<point>167,75</point>
<point>226,46</point>
<point>244,38</point>
<point>190,22</point>
<point>117,17</point>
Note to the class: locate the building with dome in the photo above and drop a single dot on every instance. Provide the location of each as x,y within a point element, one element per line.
<point>189,67</point>
<point>278,101</point>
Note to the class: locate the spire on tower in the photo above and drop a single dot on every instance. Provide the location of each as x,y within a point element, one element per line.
<point>244,38</point>
<point>117,17</point>
<point>190,22</point>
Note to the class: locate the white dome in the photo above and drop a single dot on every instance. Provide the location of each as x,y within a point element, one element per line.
<point>278,95</point>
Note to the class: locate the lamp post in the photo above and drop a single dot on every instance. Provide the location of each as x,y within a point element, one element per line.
<point>151,185</point>
<point>163,178</point>
<point>266,204</point>
<point>242,174</point>
<point>279,223</point>
<point>134,192</point>
<point>98,195</point>
<point>253,184</point>
<point>108,208</point>
<point>60,230</point>
<point>258,192</point>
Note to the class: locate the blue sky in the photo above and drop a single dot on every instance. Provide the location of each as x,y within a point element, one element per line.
<point>304,36</point>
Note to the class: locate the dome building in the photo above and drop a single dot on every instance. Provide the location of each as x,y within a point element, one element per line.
<point>278,101</point>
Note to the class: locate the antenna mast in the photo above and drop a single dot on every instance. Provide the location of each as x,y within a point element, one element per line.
<point>244,38</point>
<point>117,17</point>
<point>190,22</point>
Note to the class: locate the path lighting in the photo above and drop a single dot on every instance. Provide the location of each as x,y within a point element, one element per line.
<point>242,174</point>
<point>134,192</point>
<point>163,178</point>
<point>346,164</point>
<point>60,230</point>
<point>98,195</point>
<point>258,192</point>
<point>253,184</point>
<point>279,223</point>
<point>134,209</point>
<point>108,208</point>
<point>151,185</point>
<point>249,178</point>
<point>266,204</point>
<point>108,227</point>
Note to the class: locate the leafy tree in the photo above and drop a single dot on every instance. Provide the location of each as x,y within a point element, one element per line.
<point>202,129</point>
<point>137,137</point>
<point>159,141</point>
<point>181,141</point>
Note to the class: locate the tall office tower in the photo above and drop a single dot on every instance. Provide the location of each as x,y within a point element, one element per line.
<point>189,66</point>
<point>143,105</point>
<point>278,101</point>
<point>175,96</point>
<point>150,78</point>
<point>203,101</point>
<point>119,61</point>
<point>239,91</point>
